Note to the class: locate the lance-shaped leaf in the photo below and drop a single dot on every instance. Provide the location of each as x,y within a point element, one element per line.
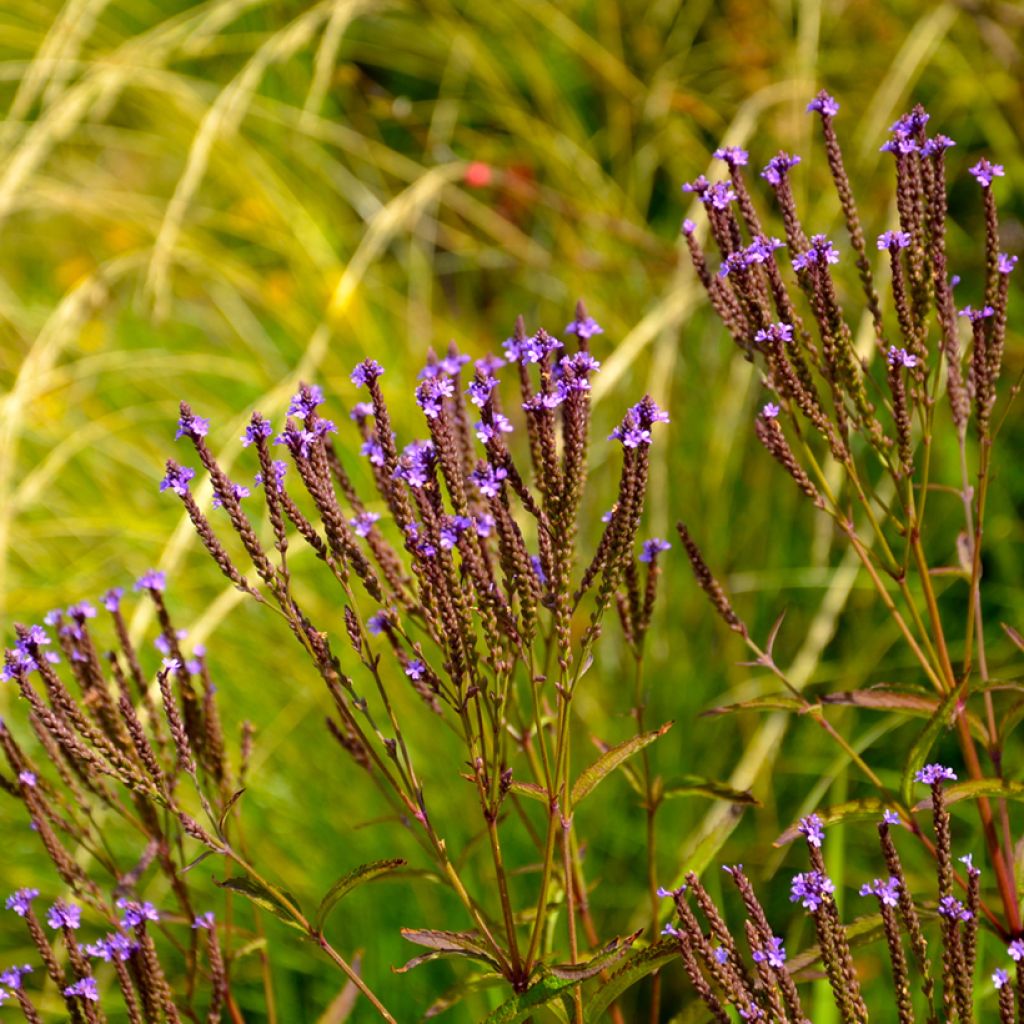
<point>543,992</point>
<point>590,777</point>
<point>908,702</point>
<point>852,810</point>
<point>462,988</point>
<point>612,953</point>
<point>771,702</point>
<point>941,719</point>
<point>356,877</point>
<point>975,788</point>
<point>442,943</point>
<point>697,785</point>
<point>638,965</point>
<point>276,901</point>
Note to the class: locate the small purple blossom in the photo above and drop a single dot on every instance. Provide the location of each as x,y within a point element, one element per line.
<point>415,669</point>
<point>27,778</point>
<point>812,828</point>
<point>500,424</point>
<point>893,240</point>
<point>761,249</point>
<point>480,389</point>
<point>719,195</point>
<point>373,450</point>
<point>585,328</point>
<point>891,817</point>
<point>652,548</point>
<point>698,186</point>
<point>822,252</point>
<point>377,623</point>
<point>483,524</point>
<point>810,888</point>
<point>775,954</point>
<point>770,410</point>
<point>154,579</point>
<point>13,975</point>
<point>937,144</point>
<point>689,227</point>
<point>112,599</point>
<point>775,332</point>
<point>1016,950</point>
<point>190,425</point>
<point>545,399</point>
<point>489,365</point>
<point>239,491</point>
<point>204,922</point>
<point>20,901</point>
<point>176,479</point>
<point>968,862</point>
<point>824,104</point>
<point>974,315</point>
<point>985,172</point>
<point>752,1012</point>
<point>888,892</point>
<point>363,523</point>
<point>84,988</point>
<point>452,527</point>
<point>431,393</point>
<point>777,168</point>
<point>532,349</point>
<point>933,773</point>
<point>734,156</point>
<point>721,954</point>
<point>257,429</point>
<point>1006,263</point>
<point>488,479</point>
<point>1000,978</point>
<point>366,372</point>
<point>953,910</point>
<point>64,915</point>
<point>136,913</point>
<point>416,464</point>
<point>305,400</point>
<point>360,411</point>
<point>279,468</point>
<point>900,357</point>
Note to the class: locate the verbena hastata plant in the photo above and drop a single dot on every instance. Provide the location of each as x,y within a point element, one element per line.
<point>857,431</point>
<point>115,782</point>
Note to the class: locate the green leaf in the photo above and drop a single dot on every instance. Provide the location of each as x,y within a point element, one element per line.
<point>772,702</point>
<point>530,789</point>
<point>995,788</point>
<point>909,702</point>
<point>520,1008</point>
<point>638,965</point>
<point>263,896</point>
<point>851,810</point>
<point>442,944</point>
<point>612,953</point>
<point>356,877</point>
<point>464,987</point>
<point>235,797</point>
<point>590,777</point>
<point>698,785</point>
<point>925,741</point>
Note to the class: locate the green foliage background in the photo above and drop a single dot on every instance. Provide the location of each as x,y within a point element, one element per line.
<point>211,201</point>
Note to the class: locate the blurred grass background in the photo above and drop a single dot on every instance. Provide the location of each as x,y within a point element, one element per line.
<point>211,201</point>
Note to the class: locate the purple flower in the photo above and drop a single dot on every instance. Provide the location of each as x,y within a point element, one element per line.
<point>488,479</point>
<point>28,779</point>
<point>735,261</point>
<point>136,913</point>
<point>893,240</point>
<point>363,523</point>
<point>452,527</point>
<point>721,954</point>
<point>900,143</point>
<point>812,828</point>
<point>689,227</point>
<point>376,624</point>
<point>1006,263</point>
<point>891,817</point>
<point>64,915</point>
<point>499,424</point>
<point>698,186</point>
<point>900,357</point>
<point>279,469</point>
<point>422,546</point>
<point>821,253</point>
<point>453,362</point>
<point>430,395</point>
<point>415,669</point>
<point>305,400</point>
<point>176,479</point>
<point>483,524</point>
<point>538,570</point>
<point>360,411</point>
<point>888,892</point>
<point>239,491</point>
<point>373,450</point>
<point>937,144</point>
<point>532,349</point>
<point>824,104</point>
<point>933,773</point>
<point>734,156</point>
<point>574,370</point>
<point>21,900</point>
<point>1016,950</point>
<point>365,372</point>
<point>163,644</point>
<point>489,365</point>
<point>635,428</point>
<point>152,580</point>
<point>112,599</point>
<point>775,332</point>
<point>190,425</point>
<point>652,548</point>
<point>585,328</point>
<point>546,399</point>
<point>480,389</point>
<point>752,1012</point>
<point>777,168</point>
<point>669,894</point>
<point>984,172</point>
<point>416,464</point>
<point>775,954</point>
<point>82,610</point>
<point>204,922</point>
<point>719,195</point>
<point>810,889</point>
<point>974,315</point>
<point>769,410</point>
<point>670,929</point>
<point>13,975</point>
<point>762,247</point>
<point>1000,978</point>
<point>84,988</point>
<point>952,909</point>
<point>257,429</point>
<point>968,861</point>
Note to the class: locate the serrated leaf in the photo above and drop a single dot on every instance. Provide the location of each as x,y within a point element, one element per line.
<point>639,964</point>
<point>521,1007</point>
<point>974,788</point>
<point>352,880</point>
<point>851,810</point>
<point>697,785</point>
<point>591,777</point>
<point>264,897</point>
<point>612,953</point>
<point>771,702</point>
<point>442,943</point>
<point>925,741</point>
